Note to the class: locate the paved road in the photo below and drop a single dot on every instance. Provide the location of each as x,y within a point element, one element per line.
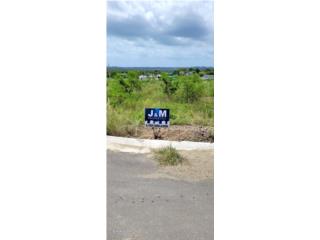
<point>155,209</point>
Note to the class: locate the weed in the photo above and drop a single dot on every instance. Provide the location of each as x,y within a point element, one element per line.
<point>168,156</point>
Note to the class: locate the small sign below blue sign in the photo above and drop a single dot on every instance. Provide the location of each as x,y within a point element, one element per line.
<point>157,117</point>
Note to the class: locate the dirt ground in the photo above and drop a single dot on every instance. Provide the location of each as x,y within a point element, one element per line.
<point>198,165</point>
<point>176,133</point>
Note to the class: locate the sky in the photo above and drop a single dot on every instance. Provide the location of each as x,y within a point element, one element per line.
<point>160,33</point>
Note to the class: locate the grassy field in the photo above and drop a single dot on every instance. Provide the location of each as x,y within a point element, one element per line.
<point>189,98</point>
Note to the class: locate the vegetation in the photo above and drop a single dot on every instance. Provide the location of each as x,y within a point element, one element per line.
<point>189,98</point>
<point>168,156</point>
<point>170,86</point>
<point>191,89</point>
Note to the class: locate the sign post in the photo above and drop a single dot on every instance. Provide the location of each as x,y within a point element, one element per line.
<point>157,117</point>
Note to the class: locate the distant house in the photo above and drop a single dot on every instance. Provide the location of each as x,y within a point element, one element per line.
<point>207,77</point>
<point>143,77</point>
<point>151,76</point>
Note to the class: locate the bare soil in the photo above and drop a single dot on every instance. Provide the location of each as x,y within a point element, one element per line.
<point>198,166</point>
<point>175,133</point>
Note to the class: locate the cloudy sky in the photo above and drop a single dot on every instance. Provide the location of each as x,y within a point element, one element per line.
<point>160,33</point>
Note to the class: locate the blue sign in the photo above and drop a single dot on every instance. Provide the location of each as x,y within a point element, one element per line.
<point>157,117</point>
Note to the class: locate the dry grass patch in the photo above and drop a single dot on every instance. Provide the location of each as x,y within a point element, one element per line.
<point>168,156</point>
<point>197,165</point>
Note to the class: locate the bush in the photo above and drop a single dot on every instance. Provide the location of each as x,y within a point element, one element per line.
<point>168,156</point>
<point>133,81</point>
<point>122,87</point>
<point>191,88</point>
<point>116,92</point>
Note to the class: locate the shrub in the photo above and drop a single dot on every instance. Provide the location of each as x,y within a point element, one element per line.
<point>133,81</point>
<point>115,92</point>
<point>191,88</point>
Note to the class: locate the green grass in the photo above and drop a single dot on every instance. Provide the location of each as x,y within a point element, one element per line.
<point>120,123</point>
<point>125,111</point>
<point>168,156</point>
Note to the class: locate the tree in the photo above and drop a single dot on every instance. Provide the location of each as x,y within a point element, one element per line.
<point>113,74</point>
<point>169,86</point>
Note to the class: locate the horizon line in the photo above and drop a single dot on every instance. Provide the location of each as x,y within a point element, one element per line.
<point>159,66</point>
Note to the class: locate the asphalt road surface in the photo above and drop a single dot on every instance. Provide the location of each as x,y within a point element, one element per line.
<point>140,208</point>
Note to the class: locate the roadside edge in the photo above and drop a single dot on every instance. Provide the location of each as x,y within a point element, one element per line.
<point>146,145</point>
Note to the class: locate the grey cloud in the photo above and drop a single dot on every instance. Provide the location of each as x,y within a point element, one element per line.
<point>154,33</point>
<point>182,30</point>
<point>130,27</point>
<point>168,40</point>
<point>189,26</point>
